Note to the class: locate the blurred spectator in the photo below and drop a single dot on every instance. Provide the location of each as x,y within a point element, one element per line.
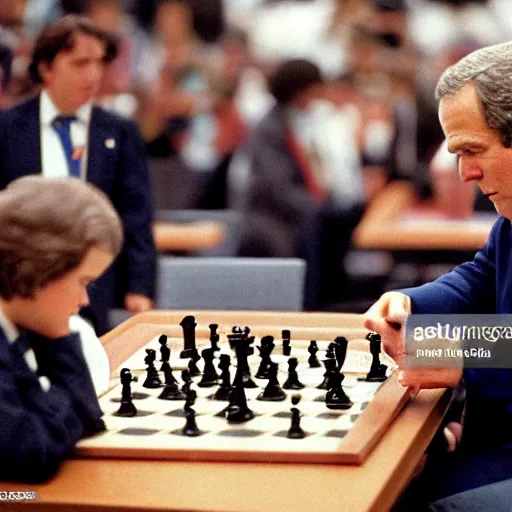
<point>436,25</point>
<point>293,202</point>
<point>298,29</point>
<point>207,16</point>
<point>189,114</point>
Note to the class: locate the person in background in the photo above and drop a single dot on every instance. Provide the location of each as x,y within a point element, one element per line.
<point>289,197</point>
<point>61,133</point>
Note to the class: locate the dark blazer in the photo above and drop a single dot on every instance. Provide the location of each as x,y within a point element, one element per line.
<point>40,428</point>
<point>483,285</point>
<point>119,171</point>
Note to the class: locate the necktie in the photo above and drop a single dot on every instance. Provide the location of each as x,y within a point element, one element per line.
<point>62,125</point>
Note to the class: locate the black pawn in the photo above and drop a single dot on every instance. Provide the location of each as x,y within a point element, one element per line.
<point>171,390</point>
<point>210,376</point>
<point>336,398</point>
<point>238,411</point>
<point>377,371</point>
<point>295,431</point>
<point>313,359</point>
<point>214,337</point>
<point>190,429</point>
<point>224,389</point>
<point>293,382</point>
<point>330,369</point>
<point>165,351</point>
<point>265,350</point>
<point>127,409</point>
<point>152,378</point>
<point>273,391</point>
<point>286,337</point>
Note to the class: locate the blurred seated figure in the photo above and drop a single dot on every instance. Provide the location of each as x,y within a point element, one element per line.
<point>189,116</point>
<point>299,180</point>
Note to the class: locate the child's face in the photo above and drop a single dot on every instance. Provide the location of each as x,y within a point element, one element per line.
<point>51,307</point>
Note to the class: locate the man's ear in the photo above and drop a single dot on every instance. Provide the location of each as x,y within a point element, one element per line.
<point>44,69</point>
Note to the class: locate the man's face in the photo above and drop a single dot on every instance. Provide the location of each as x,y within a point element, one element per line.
<point>482,156</point>
<point>75,76</point>
<point>52,305</point>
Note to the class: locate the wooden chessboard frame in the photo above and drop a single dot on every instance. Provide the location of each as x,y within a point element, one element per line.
<point>354,448</point>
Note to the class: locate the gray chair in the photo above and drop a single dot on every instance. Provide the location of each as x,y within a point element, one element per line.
<point>267,284</point>
<point>231,219</point>
<point>230,283</point>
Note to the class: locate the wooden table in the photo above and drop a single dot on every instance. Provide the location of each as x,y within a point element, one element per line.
<point>188,237</point>
<point>397,221</point>
<point>124,485</point>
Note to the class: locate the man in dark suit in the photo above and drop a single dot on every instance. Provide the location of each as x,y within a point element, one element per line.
<point>289,209</point>
<point>60,133</point>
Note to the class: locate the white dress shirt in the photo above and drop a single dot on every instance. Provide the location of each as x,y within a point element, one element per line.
<point>12,333</point>
<point>53,158</point>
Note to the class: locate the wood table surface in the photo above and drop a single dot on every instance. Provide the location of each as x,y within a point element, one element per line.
<point>397,220</point>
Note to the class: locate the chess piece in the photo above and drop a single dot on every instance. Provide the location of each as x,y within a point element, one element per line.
<point>224,389</point>
<point>330,369</point>
<point>152,378</point>
<point>214,337</point>
<point>165,351</point>
<point>265,349</point>
<point>192,364</point>
<point>336,398</point>
<point>171,390</point>
<point>377,371</point>
<point>313,359</point>
<point>127,408</point>
<point>242,345</point>
<point>273,391</point>
<point>285,334</point>
<point>210,376</point>
<point>329,353</point>
<point>340,350</point>
<point>187,380</point>
<point>295,431</point>
<point>190,429</point>
<point>188,325</point>
<point>238,411</point>
<point>293,382</point>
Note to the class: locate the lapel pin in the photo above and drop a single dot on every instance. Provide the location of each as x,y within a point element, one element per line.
<point>110,143</point>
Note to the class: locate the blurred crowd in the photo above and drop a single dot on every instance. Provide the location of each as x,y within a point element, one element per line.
<point>296,112</point>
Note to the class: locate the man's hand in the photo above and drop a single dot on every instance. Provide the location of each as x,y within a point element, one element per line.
<point>429,378</point>
<point>135,303</point>
<point>387,317</point>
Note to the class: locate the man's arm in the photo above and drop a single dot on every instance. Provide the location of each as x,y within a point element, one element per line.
<point>135,208</point>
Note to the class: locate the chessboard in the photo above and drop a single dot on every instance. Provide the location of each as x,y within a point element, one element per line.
<point>329,434</point>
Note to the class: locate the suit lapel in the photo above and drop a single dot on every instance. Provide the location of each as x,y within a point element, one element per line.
<point>96,155</point>
<point>26,147</point>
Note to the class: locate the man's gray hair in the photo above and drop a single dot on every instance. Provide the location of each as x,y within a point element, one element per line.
<point>490,71</point>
